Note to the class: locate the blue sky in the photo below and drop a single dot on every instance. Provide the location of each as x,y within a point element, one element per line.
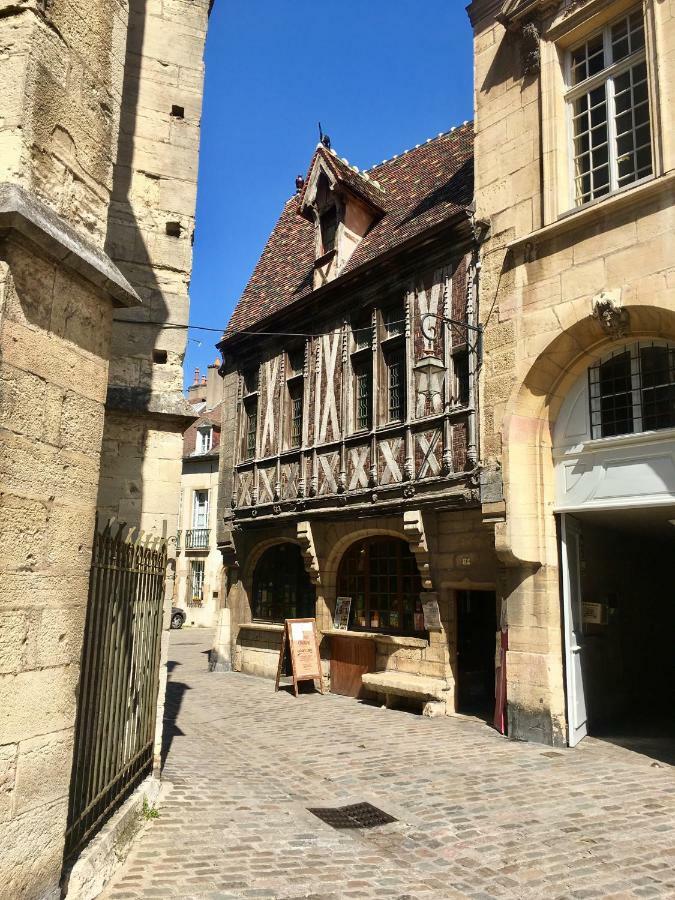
<point>380,75</point>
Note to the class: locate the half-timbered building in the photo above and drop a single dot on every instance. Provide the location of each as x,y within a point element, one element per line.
<point>350,458</point>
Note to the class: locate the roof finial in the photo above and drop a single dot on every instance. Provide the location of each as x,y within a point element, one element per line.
<point>323,138</point>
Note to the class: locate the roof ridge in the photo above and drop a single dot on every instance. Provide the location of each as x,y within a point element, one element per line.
<point>362,173</point>
<point>430,140</point>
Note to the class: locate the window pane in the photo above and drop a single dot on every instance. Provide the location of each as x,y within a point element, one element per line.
<point>396,386</point>
<point>588,59</point>
<point>616,398</point>
<point>658,387</point>
<point>632,126</point>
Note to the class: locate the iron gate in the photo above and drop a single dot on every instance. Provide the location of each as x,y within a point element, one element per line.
<point>117,702</point>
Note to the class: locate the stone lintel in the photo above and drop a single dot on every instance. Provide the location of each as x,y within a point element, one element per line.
<point>142,400</point>
<point>22,212</point>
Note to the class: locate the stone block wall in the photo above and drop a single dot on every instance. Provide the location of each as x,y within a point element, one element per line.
<point>54,341</point>
<point>543,266</point>
<point>61,71</point>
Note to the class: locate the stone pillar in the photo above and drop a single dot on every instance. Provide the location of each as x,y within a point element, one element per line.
<point>56,299</point>
<point>220,658</point>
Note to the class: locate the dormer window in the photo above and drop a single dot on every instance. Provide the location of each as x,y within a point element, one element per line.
<point>204,439</point>
<point>328,223</point>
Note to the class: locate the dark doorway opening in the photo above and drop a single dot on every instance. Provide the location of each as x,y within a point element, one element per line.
<point>476,643</point>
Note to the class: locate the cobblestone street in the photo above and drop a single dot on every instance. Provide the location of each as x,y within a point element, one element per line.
<point>478,816</point>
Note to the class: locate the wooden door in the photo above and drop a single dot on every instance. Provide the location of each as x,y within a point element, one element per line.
<point>349,659</point>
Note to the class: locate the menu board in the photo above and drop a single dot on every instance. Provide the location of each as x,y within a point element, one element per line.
<point>300,639</point>
<point>432,615</point>
<point>343,607</point>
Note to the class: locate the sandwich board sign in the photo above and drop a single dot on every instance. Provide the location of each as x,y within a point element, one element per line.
<point>301,641</point>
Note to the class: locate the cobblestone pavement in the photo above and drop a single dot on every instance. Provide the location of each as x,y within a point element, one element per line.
<point>478,816</point>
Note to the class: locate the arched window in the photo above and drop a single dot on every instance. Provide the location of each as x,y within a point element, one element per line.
<point>281,586</point>
<point>633,390</point>
<point>380,575</point>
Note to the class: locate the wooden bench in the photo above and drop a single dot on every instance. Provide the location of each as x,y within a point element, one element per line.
<point>431,692</point>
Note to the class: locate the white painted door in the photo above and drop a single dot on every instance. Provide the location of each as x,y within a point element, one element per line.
<point>571,580</point>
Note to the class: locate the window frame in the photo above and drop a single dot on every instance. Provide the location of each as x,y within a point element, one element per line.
<point>346,586</point>
<point>205,438</point>
<point>606,76</point>
<point>197,577</point>
<point>197,506</point>
<point>636,390</point>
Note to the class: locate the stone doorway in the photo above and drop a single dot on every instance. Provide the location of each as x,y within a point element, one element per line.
<point>476,643</point>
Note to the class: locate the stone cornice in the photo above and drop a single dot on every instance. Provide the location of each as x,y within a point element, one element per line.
<point>22,212</point>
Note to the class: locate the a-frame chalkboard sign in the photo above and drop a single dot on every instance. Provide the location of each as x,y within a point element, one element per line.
<point>300,639</point>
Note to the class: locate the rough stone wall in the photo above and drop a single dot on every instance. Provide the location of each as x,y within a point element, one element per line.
<point>536,298</point>
<point>54,341</point>
<point>61,71</point>
<point>150,233</point>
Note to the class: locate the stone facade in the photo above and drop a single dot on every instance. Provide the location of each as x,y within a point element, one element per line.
<point>196,544</point>
<point>68,122</point>
<point>545,266</point>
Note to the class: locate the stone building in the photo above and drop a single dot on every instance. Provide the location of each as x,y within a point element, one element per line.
<point>100,99</point>
<point>350,464</point>
<point>199,563</point>
<point>575,174</point>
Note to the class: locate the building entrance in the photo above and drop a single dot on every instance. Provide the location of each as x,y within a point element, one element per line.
<point>619,599</point>
<point>476,645</point>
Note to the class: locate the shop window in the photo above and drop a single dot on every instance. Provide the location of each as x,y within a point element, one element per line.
<point>281,586</point>
<point>633,390</point>
<point>608,98</point>
<point>381,577</point>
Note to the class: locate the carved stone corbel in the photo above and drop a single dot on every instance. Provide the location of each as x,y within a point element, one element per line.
<point>614,319</point>
<point>413,526</point>
<point>306,538</point>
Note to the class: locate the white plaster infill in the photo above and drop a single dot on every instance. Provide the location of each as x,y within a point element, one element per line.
<point>25,214</point>
<point>597,210</point>
<point>395,640</point>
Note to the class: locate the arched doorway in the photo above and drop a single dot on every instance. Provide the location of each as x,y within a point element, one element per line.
<point>281,586</point>
<point>380,575</point>
<point>614,457</point>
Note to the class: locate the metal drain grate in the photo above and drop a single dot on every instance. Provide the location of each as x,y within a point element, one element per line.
<point>358,815</point>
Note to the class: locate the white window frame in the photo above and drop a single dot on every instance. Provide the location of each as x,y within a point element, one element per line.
<point>197,571</point>
<point>606,76</point>
<point>200,509</point>
<point>204,438</point>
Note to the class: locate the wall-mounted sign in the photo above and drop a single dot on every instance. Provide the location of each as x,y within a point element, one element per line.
<point>432,615</point>
<point>300,640</point>
<point>343,607</point>
<point>593,613</point>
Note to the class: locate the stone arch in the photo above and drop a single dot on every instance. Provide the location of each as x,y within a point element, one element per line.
<point>256,553</point>
<point>332,563</point>
<point>528,535</point>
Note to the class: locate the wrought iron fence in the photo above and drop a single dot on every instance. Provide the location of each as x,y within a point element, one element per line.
<point>197,539</point>
<point>117,703</point>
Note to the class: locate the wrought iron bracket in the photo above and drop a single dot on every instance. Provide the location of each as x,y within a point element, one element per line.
<point>476,347</point>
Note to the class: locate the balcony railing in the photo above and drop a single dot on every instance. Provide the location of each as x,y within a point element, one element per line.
<point>197,538</point>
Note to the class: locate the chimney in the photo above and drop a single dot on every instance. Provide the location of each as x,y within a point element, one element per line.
<point>214,385</point>
<point>196,381</point>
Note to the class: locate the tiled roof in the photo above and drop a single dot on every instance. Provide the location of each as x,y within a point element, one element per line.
<point>417,190</point>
